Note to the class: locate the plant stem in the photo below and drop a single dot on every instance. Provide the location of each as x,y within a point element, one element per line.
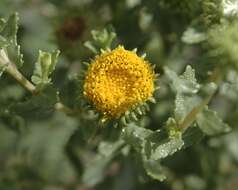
<point>11,69</point>
<point>191,117</point>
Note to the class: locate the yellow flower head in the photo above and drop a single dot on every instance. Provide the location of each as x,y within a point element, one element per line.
<point>117,81</point>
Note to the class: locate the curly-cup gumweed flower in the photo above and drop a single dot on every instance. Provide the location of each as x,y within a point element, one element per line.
<point>117,81</point>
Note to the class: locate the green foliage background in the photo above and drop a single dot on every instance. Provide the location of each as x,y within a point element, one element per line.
<point>187,141</point>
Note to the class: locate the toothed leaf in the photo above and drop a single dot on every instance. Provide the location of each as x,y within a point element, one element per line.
<point>44,67</point>
<point>10,29</point>
<point>211,124</point>
<point>153,145</point>
<point>8,39</point>
<point>186,87</point>
<point>101,40</point>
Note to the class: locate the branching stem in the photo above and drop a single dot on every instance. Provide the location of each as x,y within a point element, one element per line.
<point>14,72</point>
<point>11,69</point>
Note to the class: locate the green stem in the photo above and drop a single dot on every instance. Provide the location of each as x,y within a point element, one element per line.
<point>191,117</point>
<point>11,69</point>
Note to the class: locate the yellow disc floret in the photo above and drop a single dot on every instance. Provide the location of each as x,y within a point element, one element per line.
<point>117,81</point>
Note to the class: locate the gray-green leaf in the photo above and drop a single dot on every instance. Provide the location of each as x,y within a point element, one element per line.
<point>186,88</point>
<point>153,146</point>
<point>8,39</point>
<point>96,170</point>
<point>3,42</point>
<point>10,29</point>
<point>44,66</point>
<point>102,39</point>
<point>154,169</point>
<point>186,83</point>
<point>2,23</point>
<point>192,136</point>
<point>191,36</point>
<point>210,123</point>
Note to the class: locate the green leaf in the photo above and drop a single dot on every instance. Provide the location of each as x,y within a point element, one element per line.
<point>229,88</point>
<point>37,107</point>
<point>191,36</point>
<point>167,148</point>
<point>12,92</point>
<point>212,12</point>
<point>13,122</point>
<point>186,88</point>
<point>4,61</point>
<point>160,151</point>
<point>230,8</point>
<point>154,145</point>
<point>192,135</point>
<point>135,136</point>
<point>210,123</point>
<point>14,54</point>
<point>102,39</point>
<point>3,42</point>
<point>221,44</point>
<point>183,105</point>
<point>8,39</point>
<point>2,23</point>
<point>7,141</point>
<point>186,83</point>
<point>44,67</point>
<point>90,46</point>
<point>44,145</point>
<point>154,169</point>
<point>2,69</point>
<point>231,142</point>
<point>95,170</point>
<point>10,29</point>
<point>69,94</point>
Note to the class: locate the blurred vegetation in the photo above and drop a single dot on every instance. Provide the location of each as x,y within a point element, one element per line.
<point>46,147</point>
